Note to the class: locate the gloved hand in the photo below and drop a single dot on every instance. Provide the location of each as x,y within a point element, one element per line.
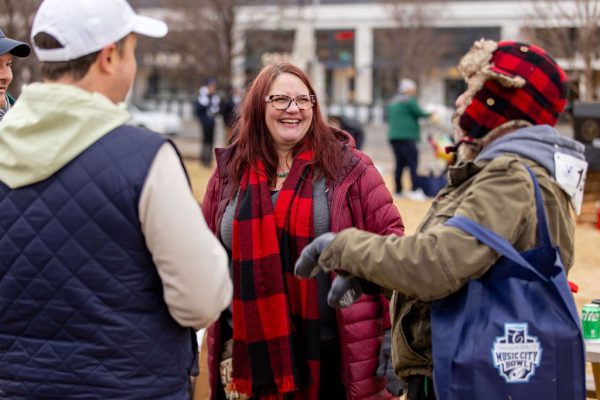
<point>307,264</point>
<point>386,367</point>
<point>345,290</point>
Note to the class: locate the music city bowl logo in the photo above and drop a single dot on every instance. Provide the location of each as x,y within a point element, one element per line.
<point>516,354</point>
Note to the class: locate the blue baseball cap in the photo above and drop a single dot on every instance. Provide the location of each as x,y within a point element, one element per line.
<point>13,47</point>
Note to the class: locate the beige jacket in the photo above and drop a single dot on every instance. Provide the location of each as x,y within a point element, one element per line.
<point>439,260</point>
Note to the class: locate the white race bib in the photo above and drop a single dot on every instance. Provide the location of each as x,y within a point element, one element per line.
<point>569,173</point>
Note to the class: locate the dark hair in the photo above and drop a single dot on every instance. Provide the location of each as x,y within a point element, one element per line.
<point>253,141</point>
<point>76,68</point>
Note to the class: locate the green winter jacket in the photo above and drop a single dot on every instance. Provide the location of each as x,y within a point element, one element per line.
<point>403,115</point>
<point>438,260</point>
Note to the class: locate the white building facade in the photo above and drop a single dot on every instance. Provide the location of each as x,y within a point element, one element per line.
<point>351,76</point>
<point>340,45</point>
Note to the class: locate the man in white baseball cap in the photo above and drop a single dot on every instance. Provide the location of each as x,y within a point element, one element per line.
<point>107,266</point>
<point>84,27</point>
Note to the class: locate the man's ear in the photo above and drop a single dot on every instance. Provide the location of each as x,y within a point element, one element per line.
<point>107,58</point>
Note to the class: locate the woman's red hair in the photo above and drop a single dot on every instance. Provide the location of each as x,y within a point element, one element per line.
<point>253,141</point>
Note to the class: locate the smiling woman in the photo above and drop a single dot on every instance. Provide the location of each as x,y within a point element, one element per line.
<point>287,178</point>
<point>289,117</point>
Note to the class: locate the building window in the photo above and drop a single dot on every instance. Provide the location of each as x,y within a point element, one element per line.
<point>335,48</point>
<point>267,46</point>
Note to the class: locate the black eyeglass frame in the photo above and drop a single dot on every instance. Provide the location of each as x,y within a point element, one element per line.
<point>312,97</point>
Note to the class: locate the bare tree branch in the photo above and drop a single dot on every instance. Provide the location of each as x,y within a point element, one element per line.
<point>411,47</point>
<point>571,32</point>
<point>201,42</point>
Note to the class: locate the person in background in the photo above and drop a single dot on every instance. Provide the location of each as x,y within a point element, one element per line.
<point>107,265</point>
<point>504,121</point>
<point>230,109</point>
<point>349,125</point>
<point>403,114</point>
<point>286,179</point>
<point>9,48</point>
<point>207,107</point>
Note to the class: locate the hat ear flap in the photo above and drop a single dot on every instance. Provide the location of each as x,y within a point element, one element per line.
<point>477,58</point>
<point>503,77</point>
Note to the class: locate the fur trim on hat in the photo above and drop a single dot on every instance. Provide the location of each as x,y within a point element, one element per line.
<point>469,152</point>
<point>502,130</point>
<point>474,85</point>
<point>478,61</point>
<point>470,67</point>
<point>476,68</point>
<point>477,58</point>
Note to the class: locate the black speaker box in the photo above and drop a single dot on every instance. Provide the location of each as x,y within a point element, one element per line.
<point>586,118</point>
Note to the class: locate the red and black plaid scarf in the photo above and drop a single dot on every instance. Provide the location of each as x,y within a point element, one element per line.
<point>275,315</point>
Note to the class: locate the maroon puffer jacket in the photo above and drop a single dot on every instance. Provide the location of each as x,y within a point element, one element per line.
<point>359,198</point>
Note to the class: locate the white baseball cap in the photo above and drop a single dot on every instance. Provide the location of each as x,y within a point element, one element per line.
<point>406,85</point>
<point>85,26</point>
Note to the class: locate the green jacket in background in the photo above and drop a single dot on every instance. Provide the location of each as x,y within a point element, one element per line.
<point>403,115</point>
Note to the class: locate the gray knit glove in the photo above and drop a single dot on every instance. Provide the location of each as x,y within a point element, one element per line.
<point>307,265</point>
<point>345,290</point>
<point>386,367</point>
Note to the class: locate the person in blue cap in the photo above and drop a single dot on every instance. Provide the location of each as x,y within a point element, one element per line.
<point>207,107</point>
<point>9,48</point>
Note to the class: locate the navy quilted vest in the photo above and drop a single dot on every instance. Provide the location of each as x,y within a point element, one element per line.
<point>82,314</point>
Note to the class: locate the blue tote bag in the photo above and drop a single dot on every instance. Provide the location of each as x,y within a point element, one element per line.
<point>515,332</point>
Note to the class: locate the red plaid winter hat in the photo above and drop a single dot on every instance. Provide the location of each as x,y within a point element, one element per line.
<point>509,81</point>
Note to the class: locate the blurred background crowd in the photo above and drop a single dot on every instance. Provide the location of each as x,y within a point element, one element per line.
<point>356,52</point>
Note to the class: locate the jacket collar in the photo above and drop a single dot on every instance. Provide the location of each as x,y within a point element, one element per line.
<point>462,172</point>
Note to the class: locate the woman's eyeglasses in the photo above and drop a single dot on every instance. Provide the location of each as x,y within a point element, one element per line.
<point>282,102</point>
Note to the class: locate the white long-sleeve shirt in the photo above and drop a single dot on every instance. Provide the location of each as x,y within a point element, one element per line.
<point>190,260</point>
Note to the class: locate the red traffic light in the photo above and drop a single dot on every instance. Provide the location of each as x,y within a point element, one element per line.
<point>344,35</point>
